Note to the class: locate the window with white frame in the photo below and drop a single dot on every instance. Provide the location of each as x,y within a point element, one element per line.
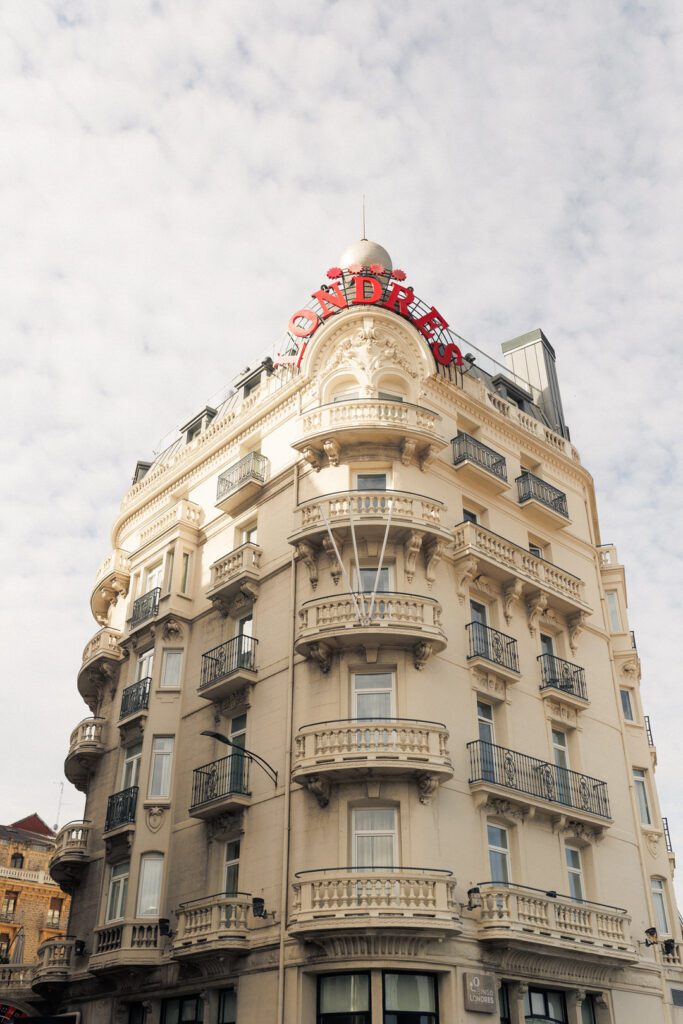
<point>160,771</point>
<point>375,839</point>
<point>131,766</point>
<point>410,997</point>
<point>145,665</point>
<point>371,481</point>
<point>232,867</point>
<point>499,852</point>
<point>659,905</point>
<point>626,705</point>
<point>613,612</point>
<point>373,695</point>
<point>149,886</point>
<point>118,890</point>
<point>640,787</point>
<point>369,579</point>
<point>344,997</point>
<point>485,722</point>
<point>574,872</point>
<point>250,534</point>
<point>170,669</point>
<point>154,577</point>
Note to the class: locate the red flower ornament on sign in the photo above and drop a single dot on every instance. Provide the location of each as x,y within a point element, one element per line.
<point>355,268</point>
<point>377,268</point>
<point>334,272</point>
<point>398,275</point>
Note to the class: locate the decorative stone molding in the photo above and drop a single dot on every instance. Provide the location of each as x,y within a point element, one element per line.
<point>484,584</point>
<point>428,456</point>
<point>553,968</point>
<point>652,840</point>
<point>630,668</point>
<point>407,451</point>
<point>226,826</point>
<point>427,785</point>
<point>535,608</point>
<point>311,457</point>
<point>492,685</point>
<point>320,787</point>
<point>238,699</point>
<point>433,553</point>
<point>464,572</point>
<point>335,564</point>
<point>578,830</point>
<point>421,654</point>
<point>361,945</point>
<point>411,550</point>
<point>559,712</point>
<point>332,449</point>
<point>576,626</point>
<point>172,630</point>
<point>321,653</point>
<point>511,594</point>
<point>309,556</point>
<point>504,809</point>
<point>155,818</point>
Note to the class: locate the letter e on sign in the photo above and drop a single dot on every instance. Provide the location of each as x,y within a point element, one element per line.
<point>481,992</point>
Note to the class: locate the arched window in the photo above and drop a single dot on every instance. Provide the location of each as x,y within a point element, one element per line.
<point>17,860</point>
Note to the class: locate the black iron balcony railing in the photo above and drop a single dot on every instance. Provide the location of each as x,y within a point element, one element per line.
<point>240,652</point>
<point>496,647</point>
<point>562,675</point>
<point>667,836</point>
<point>221,778</point>
<point>253,466</point>
<point>121,808</point>
<point>648,731</point>
<point>512,770</point>
<point>135,697</point>
<point>466,447</point>
<point>530,486</point>
<point>146,606</point>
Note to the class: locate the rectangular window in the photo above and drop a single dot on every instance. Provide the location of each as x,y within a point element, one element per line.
<point>626,705</point>
<point>499,858</point>
<point>469,517</point>
<point>227,1006</point>
<point>131,766</point>
<point>574,873</point>
<point>613,611</point>
<point>145,665</point>
<point>149,887</point>
<point>374,837</point>
<point>54,912</point>
<point>118,890</point>
<point>344,999</point>
<point>409,998</point>
<point>485,721</point>
<point>347,396</point>
<point>160,772</point>
<point>368,579</point>
<point>540,1004</point>
<point>659,905</point>
<point>535,549</point>
<point>185,574</point>
<point>547,645</point>
<point>373,695</point>
<point>371,481</point>
<point>232,866</point>
<point>388,396</point>
<point>170,670</point>
<point>561,758</point>
<point>249,536</point>
<point>478,612</point>
<point>187,1010</point>
<point>640,786</point>
<point>588,1010</point>
<point>154,577</point>
<point>9,903</point>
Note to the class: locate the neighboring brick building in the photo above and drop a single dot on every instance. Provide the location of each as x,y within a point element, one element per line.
<point>32,907</point>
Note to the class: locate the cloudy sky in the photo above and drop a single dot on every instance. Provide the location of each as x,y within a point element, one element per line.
<point>177,175</point>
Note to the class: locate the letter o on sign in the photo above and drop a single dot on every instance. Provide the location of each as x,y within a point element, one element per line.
<point>303,330</point>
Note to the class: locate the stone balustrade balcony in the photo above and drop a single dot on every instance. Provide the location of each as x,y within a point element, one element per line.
<point>102,658</point>
<point>111,582</point>
<point>125,945</point>
<point>15,981</point>
<point>544,503</point>
<point>350,750</point>
<point>71,854</point>
<point>522,918</point>
<point>372,513</point>
<point>235,573</point>
<point>242,481</point>
<point>55,959</point>
<point>361,620</point>
<point>325,431</point>
<point>211,924</point>
<point>524,577</point>
<point>346,899</point>
<point>86,746</point>
<point>537,786</point>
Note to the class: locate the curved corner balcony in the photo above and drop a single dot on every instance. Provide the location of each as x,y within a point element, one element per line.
<point>125,945</point>
<point>325,431</point>
<point>401,512</point>
<point>479,465</point>
<point>334,902</point>
<point>111,582</point>
<point>353,750</point>
<point>101,660</point>
<point>545,504</point>
<point>536,786</point>
<point>358,620</point>
<point>212,924</point>
<point>71,854</point>
<point>86,747</point>
<point>535,921</point>
<point>55,957</point>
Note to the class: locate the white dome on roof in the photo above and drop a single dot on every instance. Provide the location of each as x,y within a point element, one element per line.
<point>366,253</point>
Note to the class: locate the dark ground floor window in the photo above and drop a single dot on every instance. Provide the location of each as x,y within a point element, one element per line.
<point>344,999</point>
<point>541,1005</point>
<point>410,999</point>
<point>186,1010</point>
<point>227,1006</point>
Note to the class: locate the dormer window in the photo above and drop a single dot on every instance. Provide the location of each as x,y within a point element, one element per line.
<point>194,427</point>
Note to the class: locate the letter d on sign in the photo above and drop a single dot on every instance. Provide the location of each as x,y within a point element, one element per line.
<point>361,295</point>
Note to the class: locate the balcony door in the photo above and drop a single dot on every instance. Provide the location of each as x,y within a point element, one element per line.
<point>245,644</point>
<point>145,665</point>
<point>561,758</point>
<point>487,740</point>
<point>154,577</point>
<point>131,766</point>
<point>238,735</point>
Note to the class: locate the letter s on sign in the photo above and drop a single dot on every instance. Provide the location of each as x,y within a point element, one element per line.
<point>300,330</point>
<point>446,354</point>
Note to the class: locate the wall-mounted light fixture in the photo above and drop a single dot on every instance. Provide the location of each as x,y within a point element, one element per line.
<point>473,898</point>
<point>650,936</point>
<point>258,906</point>
<point>165,929</point>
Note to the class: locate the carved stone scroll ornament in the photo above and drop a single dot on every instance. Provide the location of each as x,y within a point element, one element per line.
<point>535,608</point>
<point>576,624</point>
<point>335,564</point>
<point>411,550</point>
<point>312,457</point>
<point>407,451</point>
<point>465,571</point>
<point>321,653</point>
<point>434,552</point>
<point>320,787</point>
<point>332,450</point>
<point>421,654</point>
<point>309,556</point>
<point>427,785</point>
<point>511,593</point>
<point>172,630</point>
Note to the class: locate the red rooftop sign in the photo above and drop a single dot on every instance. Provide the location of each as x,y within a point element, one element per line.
<point>370,286</point>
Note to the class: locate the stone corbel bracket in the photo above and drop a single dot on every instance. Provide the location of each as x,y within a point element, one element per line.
<point>511,594</point>
<point>320,787</point>
<point>306,553</point>
<point>411,550</point>
<point>433,553</point>
<point>535,607</point>
<point>335,564</point>
<point>576,626</point>
<point>321,653</point>
<point>465,571</point>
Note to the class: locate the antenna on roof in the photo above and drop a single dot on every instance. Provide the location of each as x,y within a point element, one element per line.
<point>364,235</point>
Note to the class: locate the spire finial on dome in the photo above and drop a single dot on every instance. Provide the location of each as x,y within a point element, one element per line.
<point>365,237</point>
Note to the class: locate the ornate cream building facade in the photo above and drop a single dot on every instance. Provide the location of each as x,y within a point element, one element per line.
<point>366,740</point>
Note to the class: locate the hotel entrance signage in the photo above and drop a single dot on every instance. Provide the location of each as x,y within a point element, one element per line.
<point>370,286</point>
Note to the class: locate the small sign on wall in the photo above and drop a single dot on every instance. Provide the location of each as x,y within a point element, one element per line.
<point>481,992</point>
